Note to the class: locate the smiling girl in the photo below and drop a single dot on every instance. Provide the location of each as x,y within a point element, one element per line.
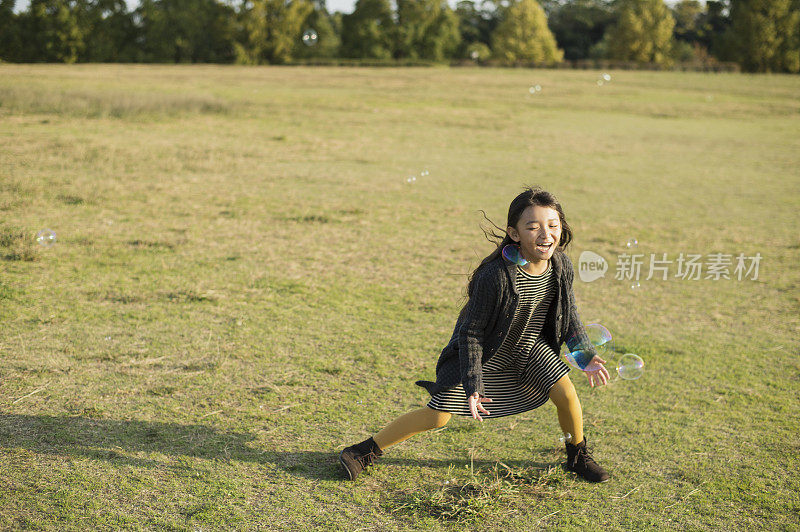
<point>503,352</point>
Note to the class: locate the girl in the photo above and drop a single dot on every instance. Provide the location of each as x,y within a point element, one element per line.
<point>504,349</point>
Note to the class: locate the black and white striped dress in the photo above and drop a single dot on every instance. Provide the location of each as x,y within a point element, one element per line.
<point>520,374</point>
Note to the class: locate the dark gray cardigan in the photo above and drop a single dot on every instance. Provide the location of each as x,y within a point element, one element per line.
<point>486,318</point>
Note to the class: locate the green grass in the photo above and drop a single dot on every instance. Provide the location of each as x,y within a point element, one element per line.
<point>244,283</point>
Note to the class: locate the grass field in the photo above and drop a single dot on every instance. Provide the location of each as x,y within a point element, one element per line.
<point>244,282</point>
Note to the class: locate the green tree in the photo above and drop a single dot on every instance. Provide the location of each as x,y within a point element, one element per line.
<point>475,24</point>
<point>764,35</point>
<point>643,32</point>
<point>426,29</point>
<point>369,31</point>
<point>10,34</point>
<point>714,24</point>
<point>111,32</point>
<point>271,29</point>
<point>523,35</point>
<point>185,31</point>
<point>687,15</point>
<point>52,31</point>
<point>579,25</point>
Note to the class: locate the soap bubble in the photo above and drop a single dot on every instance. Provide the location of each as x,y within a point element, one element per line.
<point>46,237</point>
<point>565,438</point>
<point>474,55</point>
<point>579,358</point>
<point>424,173</point>
<point>606,77</point>
<point>310,37</point>
<point>636,285</point>
<point>599,82</point>
<point>412,179</point>
<point>601,339</point>
<point>512,253</point>
<point>632,243</point>
<point>630,366</point>
<point>535,88</point>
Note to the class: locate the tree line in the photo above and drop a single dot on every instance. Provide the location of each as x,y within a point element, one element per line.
<point>759,35</point>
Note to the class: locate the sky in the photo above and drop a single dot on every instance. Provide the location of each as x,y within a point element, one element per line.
<point>345,6</point>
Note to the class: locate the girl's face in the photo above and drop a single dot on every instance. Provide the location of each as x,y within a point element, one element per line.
<point>538,232</point>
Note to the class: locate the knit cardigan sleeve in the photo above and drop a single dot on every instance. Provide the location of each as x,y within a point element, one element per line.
<point>576,332</point>
<point>480,308</point>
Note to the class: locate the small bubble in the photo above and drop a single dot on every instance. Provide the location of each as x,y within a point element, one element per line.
<point>108,338</point>
<point>599,82</point>
<point>310,37</point>
<point>424,173</point>
<point>565,438</point>
<point>636,285</point>
<point>46,237</point>
<point>632,243</point>
<point>606,77</point>
<point>474,55</point>
<point>411,179</point>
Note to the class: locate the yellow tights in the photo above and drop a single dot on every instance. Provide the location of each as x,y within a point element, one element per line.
<point>562,394</point>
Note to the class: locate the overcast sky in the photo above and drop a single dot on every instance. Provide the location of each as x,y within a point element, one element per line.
<point>345,6</point>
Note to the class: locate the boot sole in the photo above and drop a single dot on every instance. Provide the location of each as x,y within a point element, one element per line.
<point>576,475</point>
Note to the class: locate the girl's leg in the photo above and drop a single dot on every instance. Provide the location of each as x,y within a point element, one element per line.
<point>409,424</point>
<point>570,415</point>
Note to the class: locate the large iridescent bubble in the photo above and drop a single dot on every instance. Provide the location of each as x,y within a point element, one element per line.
<point>579,358</point>
<point>630,366</point>
<point>601,340</point>
<point>512,253</point>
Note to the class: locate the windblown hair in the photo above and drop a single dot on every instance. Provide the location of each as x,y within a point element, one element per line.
<point>530,196</point>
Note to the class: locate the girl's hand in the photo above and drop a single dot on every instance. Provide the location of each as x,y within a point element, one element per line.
<point>474,401</point>
<point>596,372</point>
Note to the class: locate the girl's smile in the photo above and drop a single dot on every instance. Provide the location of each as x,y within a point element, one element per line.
<point>538,233</point>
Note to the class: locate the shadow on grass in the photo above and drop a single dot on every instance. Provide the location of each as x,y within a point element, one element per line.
<point>114,440</point>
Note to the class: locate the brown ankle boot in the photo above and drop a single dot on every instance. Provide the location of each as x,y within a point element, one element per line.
<point>581,462</point>
<point>356,458</point>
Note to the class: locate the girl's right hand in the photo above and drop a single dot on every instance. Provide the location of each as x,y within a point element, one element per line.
<point>474,401</point>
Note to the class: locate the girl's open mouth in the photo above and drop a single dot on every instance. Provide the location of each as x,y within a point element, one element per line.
<point>544,247</point>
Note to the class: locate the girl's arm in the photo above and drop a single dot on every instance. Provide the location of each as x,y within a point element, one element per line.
<point>576,333</point>
<point>479,309</point>
<point>577,339</point>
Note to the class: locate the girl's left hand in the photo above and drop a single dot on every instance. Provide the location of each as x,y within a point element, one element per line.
<point>596,372</point>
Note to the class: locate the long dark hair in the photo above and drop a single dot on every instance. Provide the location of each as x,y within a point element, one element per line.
<point>530,196</point>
